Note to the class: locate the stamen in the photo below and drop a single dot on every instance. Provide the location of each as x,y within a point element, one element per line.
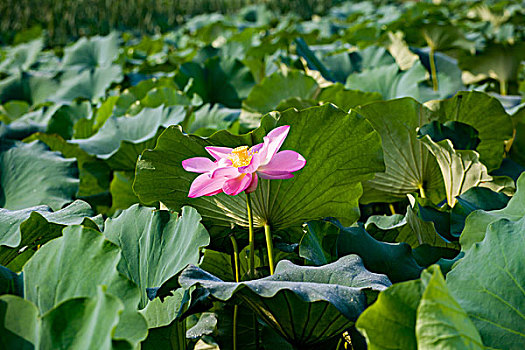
<point>240,156</point>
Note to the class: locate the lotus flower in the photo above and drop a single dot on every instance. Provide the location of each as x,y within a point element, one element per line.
<point>238,169</point>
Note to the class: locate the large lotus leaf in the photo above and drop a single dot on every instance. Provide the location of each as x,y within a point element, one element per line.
<point>319,243</point>
<point>497,61</point>
<point>442,37</point>
<point>70,325</point>
<point>33,87</point>
<point>31,122</point>
<point>19,324</point>
<point>462,170</point>
<point>476,223</point>
<point>494,298</point>
<point>320,301</point>
<point>88,84</point>
<point>21,57</point>
<point>390,322</point>
<point>272,90</point>
<point>409,165</point>
<point>475,199</point>
<point>121,139</point>
<point>168,96</point>
<point>160,313</point>
<point>485,114</point>
<point>418,314</point>
<point>208,119</point>
<point>31,175</point>
<point>93,52</point>
<point>73,266</point>
<point>143,233</point>
<point>234,78</point>
<point>461,135</point>
<point>327,186</point>
<point>28,228</point>
<point>62,121</point>
<point>389,81</point>
<point>94,173</point>
<point>441,322</point>
<point>347,99</point>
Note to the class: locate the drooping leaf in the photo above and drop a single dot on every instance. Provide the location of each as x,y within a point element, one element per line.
<point>485,114</point>
<point>325,241</point>
<point>462,136</point>
<point>325,187</point>
<point>73,266</point>
<point>31,175</point>
<point>28,228</point>
<point>494,299</point>
<point>333,294</point>
<point>462,170</point>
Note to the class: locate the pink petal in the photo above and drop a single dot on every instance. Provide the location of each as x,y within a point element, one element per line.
<point>228,172</point>
<point>253,185</point>
<point>284,161</point>
<point>273,142</point>
<point>274,175</point>
<point>235,186</point>
<point>198,164</point>
<point>254,164</point>
<point>218,152</point>
<point>204,185</point>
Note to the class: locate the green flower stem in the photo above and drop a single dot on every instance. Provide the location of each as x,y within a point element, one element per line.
<point>421,191</point>
<point>180,330</point>
<point>251,238</point>
<point>235,310</point>
<point>503,87</point>
<point>235,257</point>
<point>433,71</point>
<point>237,279</point>
<point>269,246</point>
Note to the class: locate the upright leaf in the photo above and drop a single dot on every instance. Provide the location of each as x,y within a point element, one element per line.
<point>341,150</point>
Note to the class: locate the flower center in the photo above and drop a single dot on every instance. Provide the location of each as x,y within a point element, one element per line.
<point>240,156</point>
